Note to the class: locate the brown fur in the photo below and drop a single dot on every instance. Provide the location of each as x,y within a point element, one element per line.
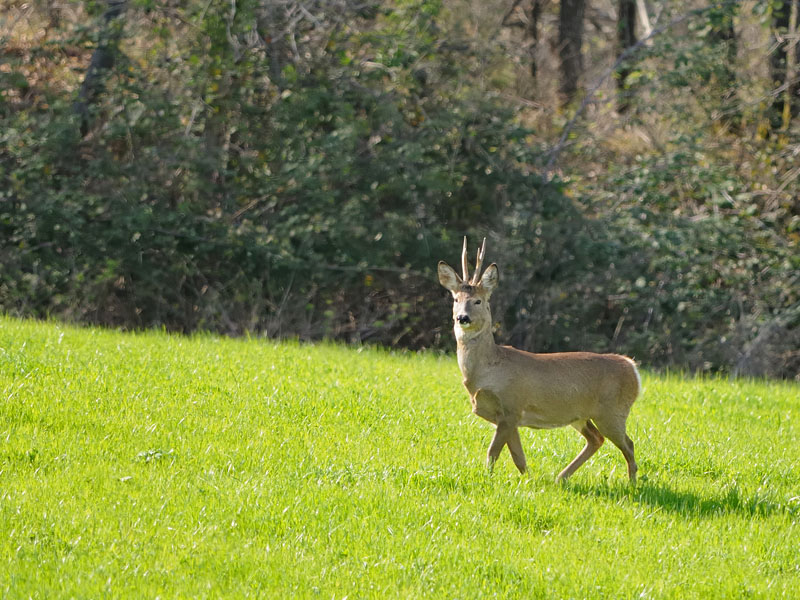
<point>512,388</point>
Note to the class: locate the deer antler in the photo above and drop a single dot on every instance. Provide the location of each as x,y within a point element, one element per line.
<point>476,276</point>
<point>464,265</point>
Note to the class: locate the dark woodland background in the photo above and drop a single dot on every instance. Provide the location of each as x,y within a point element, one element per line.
<point>297,169</point>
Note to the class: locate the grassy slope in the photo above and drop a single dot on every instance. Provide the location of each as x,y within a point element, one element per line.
<point>142,465</point>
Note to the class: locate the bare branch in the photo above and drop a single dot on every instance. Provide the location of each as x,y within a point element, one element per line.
<point>589,97</point>
<point>509,12</point>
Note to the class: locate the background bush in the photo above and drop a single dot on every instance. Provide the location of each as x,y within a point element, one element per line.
<point>300,172</point>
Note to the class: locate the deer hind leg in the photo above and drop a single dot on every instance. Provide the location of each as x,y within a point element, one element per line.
<point>615,431</point>
<point>594,439</point>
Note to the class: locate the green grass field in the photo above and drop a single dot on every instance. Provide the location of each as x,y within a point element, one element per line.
<point>149,465</point>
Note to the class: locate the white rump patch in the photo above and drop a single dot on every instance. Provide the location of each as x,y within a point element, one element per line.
<point>638,377</point>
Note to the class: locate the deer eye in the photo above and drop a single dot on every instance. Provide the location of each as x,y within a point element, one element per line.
<point>477,301</point>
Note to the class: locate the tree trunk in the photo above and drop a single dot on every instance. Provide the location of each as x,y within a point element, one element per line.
<point>723,34</point>
<point>626,37</point>
<point>53,11</point>
<point>782,78</point>
<point>103,59</point>
<point>570,40</point>
<point>790,82</point>
<point>534,16</point>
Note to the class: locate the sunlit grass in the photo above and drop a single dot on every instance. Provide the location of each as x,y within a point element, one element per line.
<point>144,465</point>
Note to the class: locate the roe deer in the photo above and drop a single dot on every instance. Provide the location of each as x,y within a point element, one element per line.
<point>511,388</point>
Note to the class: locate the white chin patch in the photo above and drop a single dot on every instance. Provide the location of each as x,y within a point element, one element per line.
<point>466,331</point>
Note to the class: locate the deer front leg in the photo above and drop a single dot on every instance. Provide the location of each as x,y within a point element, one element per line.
<point>515,447</point>
<point>506,433</point>
<point>496,447</point>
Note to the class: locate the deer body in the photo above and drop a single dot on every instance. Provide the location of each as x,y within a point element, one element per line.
<point>512,388</point>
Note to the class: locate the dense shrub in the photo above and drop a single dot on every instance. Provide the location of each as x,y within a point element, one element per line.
<point>235,174</point>
<point>317,208</point>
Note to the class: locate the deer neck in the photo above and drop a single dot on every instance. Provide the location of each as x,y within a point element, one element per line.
<point>475,354</point>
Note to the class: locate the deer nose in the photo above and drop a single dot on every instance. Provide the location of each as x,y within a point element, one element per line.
<point>463,319</point>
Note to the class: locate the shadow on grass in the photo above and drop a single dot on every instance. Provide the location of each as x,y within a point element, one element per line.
<point>658,495</point>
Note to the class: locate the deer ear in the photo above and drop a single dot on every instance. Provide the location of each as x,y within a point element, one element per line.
<point>490,278</point>
<point>448,277</point>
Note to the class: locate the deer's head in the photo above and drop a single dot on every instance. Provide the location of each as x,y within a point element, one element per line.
<point>471,311</point>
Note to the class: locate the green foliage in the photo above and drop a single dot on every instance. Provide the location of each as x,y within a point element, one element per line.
<point>695,270</point>
<point>697,223</point>
<point>247,169</point>
<point>314,209</point>
<point>136,465</point>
